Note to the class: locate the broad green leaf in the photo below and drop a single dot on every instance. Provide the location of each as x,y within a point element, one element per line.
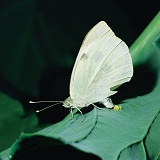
<point>115,130</point>
<point>67,131</point>
<point>13,121</point>
<point>72,130</point>
<point>152,140</point>
<point>134,152</point>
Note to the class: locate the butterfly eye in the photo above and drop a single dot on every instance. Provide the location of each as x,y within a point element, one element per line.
<point>68,104</point>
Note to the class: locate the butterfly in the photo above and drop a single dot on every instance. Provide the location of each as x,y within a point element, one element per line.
<point>102,65</point>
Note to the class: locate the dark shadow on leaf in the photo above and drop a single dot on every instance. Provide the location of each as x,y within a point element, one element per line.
<point>41,148</point>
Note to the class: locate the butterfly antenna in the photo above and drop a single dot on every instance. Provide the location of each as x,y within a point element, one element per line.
<point>45,101</point>
<point>47,107</point>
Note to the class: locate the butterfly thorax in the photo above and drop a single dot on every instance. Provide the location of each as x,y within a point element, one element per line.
<point>70,103</point>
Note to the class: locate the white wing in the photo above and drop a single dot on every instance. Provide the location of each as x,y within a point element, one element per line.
<point>103,63</point>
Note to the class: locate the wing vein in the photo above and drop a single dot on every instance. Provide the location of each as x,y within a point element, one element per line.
<point>101,65</point>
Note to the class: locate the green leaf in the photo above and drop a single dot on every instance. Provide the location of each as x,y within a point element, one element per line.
<point>134,152</point>
<point>72,130</point>
<point>152,140</point>
<point>116,130</point>
<point>13,121</point>
<point>67,131</point>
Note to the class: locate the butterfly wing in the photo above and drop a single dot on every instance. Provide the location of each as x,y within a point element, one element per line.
<point>103,63</point>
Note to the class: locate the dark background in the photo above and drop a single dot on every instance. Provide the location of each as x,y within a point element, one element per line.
<point>39,41</point>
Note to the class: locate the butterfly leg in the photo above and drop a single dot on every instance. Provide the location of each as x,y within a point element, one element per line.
<point>97,107</point>
<point>79,111</point>
<point>71,112</point>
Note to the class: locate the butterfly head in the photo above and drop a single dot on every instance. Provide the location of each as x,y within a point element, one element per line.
<point>68,103</point>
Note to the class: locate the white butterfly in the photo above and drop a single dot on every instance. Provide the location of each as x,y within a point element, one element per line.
<point>103,64</point>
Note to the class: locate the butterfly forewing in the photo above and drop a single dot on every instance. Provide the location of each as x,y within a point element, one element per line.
<point>103,62</point>
<point>93,35</point>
